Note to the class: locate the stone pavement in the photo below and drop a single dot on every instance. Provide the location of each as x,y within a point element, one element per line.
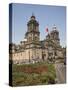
<point>60,73</point>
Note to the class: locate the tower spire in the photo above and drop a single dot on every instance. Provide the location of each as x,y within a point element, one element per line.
<point>32,14</point>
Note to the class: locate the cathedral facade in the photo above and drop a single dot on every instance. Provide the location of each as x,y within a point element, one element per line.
<point>32,49</point>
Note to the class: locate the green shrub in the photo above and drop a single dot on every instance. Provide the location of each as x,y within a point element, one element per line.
<point>23,78</point>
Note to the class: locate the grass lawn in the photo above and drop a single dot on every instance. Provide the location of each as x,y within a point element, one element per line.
<point>33,74</point>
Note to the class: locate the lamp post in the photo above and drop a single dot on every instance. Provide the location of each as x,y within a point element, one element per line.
<point>29,52</point>
<point>24,45</point>
<point>35,54</point>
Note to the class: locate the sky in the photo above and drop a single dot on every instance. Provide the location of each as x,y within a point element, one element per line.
<point>46,15</point>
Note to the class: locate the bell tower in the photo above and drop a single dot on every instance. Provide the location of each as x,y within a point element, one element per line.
<point>33,39</point>
<point>32,35</point>
<point>54,35</point>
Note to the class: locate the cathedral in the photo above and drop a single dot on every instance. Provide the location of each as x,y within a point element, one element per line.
<point>33,50</point>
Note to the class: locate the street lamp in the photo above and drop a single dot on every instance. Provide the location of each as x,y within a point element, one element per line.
<point>24,46</point>
<point>29,52</point>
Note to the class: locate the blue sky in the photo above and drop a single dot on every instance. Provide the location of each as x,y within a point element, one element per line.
<point>46,15</point>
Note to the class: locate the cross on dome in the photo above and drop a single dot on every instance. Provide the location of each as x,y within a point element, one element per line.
<point>33,16</point>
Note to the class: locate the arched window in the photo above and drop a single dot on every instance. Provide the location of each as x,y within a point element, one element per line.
<point>35,38</point>
<point>32,26</point>
<point>55,53</point>
<point>30,39</point>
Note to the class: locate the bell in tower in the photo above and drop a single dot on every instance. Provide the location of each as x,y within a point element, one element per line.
<point>32,33</point>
